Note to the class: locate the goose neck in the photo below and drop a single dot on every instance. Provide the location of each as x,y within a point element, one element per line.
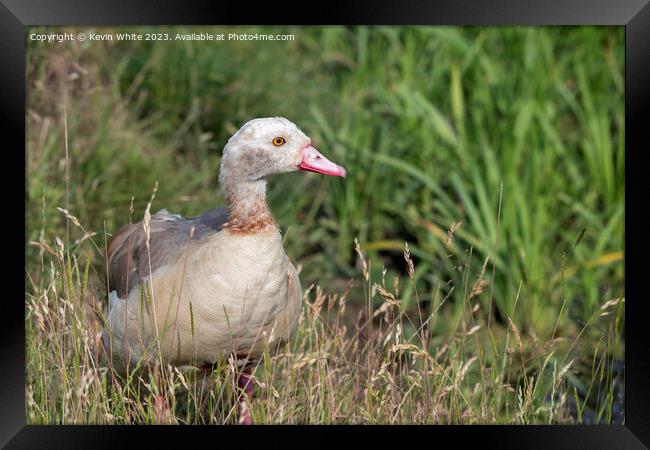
<point>248,212</point>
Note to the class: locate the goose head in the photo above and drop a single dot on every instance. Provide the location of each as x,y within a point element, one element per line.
<point>268,146</point>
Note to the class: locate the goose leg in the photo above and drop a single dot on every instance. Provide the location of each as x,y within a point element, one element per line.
<point>163,411</point>
<point>245,383</point>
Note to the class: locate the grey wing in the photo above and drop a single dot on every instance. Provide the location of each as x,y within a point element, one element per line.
<point>211,220</point>
<point>127,256</point>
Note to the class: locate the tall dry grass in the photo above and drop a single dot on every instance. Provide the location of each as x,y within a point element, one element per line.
<point>345,364</point>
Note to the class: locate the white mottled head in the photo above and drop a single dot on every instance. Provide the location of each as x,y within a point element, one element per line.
<point>270,145</point>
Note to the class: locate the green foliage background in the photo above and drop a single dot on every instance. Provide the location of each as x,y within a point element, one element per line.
<point>517,133</point>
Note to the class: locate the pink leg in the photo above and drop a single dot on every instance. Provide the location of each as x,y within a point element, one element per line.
<point>163,412</point>
<point>246,384</point>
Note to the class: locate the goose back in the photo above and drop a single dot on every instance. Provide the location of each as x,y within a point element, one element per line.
<point>128,260</point>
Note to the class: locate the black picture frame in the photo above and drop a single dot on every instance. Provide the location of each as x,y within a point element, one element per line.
<point>634,15</point>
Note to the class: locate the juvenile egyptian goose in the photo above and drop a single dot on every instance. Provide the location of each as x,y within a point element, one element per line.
<point>220,283</point>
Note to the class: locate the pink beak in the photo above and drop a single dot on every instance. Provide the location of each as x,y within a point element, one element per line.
<point>313,161</point>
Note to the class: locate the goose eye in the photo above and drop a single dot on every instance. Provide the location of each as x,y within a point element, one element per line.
<point>278,141</point>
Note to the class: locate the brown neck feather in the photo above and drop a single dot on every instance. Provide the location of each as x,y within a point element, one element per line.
<point>248,212</point>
